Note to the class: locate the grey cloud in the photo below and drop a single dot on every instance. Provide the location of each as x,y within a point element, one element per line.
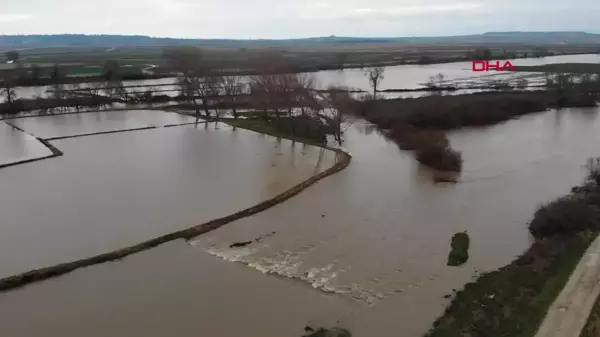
<point>294,18</point>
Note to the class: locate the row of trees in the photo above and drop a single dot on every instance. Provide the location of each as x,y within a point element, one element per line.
<point>574,89</point>
<point>286,100</point>
<point>488,54</point>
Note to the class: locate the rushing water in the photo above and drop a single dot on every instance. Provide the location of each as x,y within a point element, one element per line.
<point>396,77</point>
<point>365,248</point>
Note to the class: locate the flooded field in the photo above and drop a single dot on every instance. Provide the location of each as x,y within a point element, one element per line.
<point>384,239</point>
<point>364,249</point>
<point>16,146</point>
<point>396,77</point>
<point>67,125</point>
<point>171,290</point>
<point>414,76</point>
<point>110,191</point>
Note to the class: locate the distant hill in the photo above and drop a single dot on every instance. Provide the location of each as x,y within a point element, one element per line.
<point>36,41</point>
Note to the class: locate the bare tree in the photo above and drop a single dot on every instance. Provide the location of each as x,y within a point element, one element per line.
<point>93,91</point>
<point>195,77</point>
<point>232,88</point>
<point>340,60</point>
<point>12,56</point>
<point>211,89</point>
<point>340,104</point>
<point>269,89</point>
<point>74,94</point>
<point>264,92</point>
<point>36,72</point>
<point>563,86</point>
<point>8,90</point>
<point>111,70</point>
<point>305,93</point>
<point>56,74</point>
<point>522,83</point>
<point>375,76</point>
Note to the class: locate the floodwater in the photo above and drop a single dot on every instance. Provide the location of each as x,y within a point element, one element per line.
<point>114,190</point>
<point>384,239</point>
<point>414,76</point>
<point>364,249</point>
<point>65,125</point>
<point>16,146</point>
<point>395,77</point>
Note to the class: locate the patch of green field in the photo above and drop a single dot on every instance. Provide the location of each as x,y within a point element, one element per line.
<point>261,126</point>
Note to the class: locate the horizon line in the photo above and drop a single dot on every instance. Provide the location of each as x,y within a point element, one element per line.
<point>301,38</point>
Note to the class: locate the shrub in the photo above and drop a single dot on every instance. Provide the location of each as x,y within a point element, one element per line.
<point>564,216</point>
<point>441,158</point>
<point>323,332</point>
<point>449,112</point>
<point>302,126</point>
<point>593,168</point>
<point>459,254</point>
<point>411,138</point>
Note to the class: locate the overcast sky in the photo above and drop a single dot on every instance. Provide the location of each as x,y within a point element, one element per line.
<point>294,18</point>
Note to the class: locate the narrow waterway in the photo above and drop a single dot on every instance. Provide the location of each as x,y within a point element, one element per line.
<point>365,248</point>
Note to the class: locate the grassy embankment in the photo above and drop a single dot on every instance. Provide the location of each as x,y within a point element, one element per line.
<point>513,300</point>
<point>592,327</point>
<point>266,127</point>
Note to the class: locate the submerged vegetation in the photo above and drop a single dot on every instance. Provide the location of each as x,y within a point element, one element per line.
<point>459,253</point>
<point>451,112</point>
<point>419,123</point>
<point>324,332</point>
<point>513,300</point>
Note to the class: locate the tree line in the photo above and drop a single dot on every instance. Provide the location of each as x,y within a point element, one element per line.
<point>283,99</point>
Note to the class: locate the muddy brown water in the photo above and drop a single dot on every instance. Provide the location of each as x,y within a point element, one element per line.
<point>365,249</point>
<point>16,146</point>
<point>114,190</point>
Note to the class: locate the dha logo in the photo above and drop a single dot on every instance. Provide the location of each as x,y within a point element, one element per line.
<point>483,65</point>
